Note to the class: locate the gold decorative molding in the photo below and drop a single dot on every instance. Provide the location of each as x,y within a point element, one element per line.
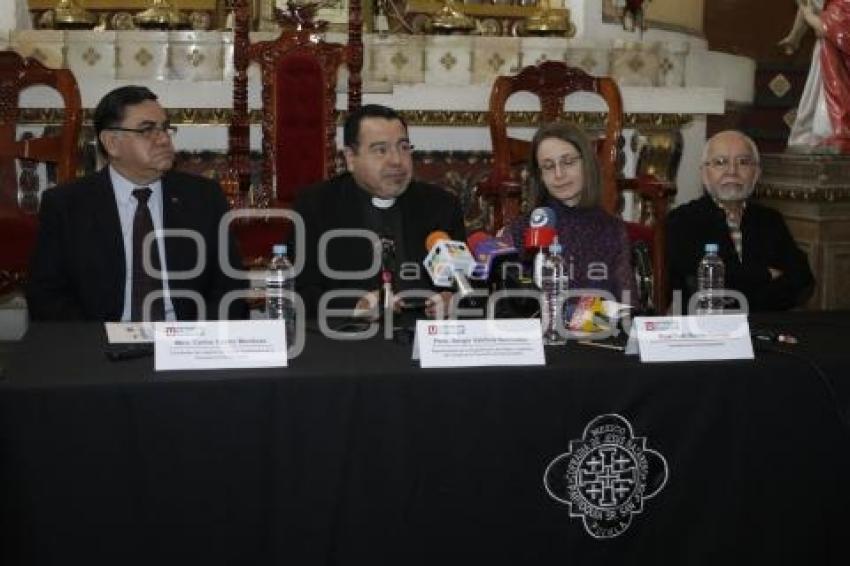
<point>478,10</point>
<point>459,118</point>
<point>45,116</point>
<point>802,193</point>
<point>124,4</point>
<point>645,122</point>
<point>495,19</point>
<point>804,177</point>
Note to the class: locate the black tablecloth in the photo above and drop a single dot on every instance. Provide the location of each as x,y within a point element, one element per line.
<point>354,455</point>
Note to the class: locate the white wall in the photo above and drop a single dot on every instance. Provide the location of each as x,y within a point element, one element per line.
<point>14,14</point>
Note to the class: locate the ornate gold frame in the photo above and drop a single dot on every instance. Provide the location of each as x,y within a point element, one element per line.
<point>458,118</point>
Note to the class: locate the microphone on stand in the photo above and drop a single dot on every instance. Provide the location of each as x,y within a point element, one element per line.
<point>387,268</point>
<point>449,262</point>
<point>541,228</point>
<point>539,235</point>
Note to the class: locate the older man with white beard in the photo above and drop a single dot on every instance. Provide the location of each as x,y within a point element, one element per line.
<point>762,260</point>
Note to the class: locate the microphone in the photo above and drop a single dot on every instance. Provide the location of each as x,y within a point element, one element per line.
<point>490,253</point>
<point>448,262</point>
<point>541,228</point>
<point>387,266</point>
<point>540,235</point>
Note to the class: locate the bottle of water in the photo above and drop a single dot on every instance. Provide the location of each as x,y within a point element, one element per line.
<point>279,304</point>
<point>711,275</point>
<point>553,284</point>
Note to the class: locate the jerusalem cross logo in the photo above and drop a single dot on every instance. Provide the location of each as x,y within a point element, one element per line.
<point>606,476</point>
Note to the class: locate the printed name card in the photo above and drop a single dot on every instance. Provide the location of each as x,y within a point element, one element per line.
<point>691,338</point>
<point>129,332</point>
<point>475,343</point>
<point>219,344</point>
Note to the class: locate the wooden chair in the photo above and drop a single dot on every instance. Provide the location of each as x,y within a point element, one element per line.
<point>18,227</point>
<point>552,82</point>
<point>299,117</point>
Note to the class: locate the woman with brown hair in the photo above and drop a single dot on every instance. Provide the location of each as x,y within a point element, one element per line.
<point>565,177</point>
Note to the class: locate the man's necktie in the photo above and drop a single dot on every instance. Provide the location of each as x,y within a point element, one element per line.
<point>143,282</point>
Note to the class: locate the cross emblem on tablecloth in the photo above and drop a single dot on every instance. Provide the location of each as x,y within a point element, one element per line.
<point>606,476</point>
<point>609,477</point>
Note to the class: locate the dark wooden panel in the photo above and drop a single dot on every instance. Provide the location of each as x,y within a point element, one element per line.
<point>752,28</point>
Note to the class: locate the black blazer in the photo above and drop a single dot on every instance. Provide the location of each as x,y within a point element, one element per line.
<point>338,204</point>
<point>767,243</point>
<point>77,271</point>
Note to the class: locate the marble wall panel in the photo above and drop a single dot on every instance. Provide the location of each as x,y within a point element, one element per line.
<point>535,50</point>
<point>47,46</point>
<point>672,65</point>
<point>448,60</point>
<point>635,64</point>
<point>593,59</point>
<point>143,55</point>
<point>493,57</point>
<point>91,54</point>
<point>394,60</point>
<point>196,55</point>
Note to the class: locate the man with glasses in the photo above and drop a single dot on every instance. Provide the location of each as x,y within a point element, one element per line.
<point>762,260</point>
<point>101,253</point>
<point>375,196</point>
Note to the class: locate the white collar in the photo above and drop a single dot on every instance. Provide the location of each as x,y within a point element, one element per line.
<point>382,203</point>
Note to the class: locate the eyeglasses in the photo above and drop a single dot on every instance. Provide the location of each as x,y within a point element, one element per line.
<point>149,132</point>
<point>564,162</point>
<point>381,150</point>
<point>724,163</point>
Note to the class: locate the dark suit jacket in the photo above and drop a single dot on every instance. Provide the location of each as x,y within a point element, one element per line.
<point>338,203</point>
<point>77,271</point>
<point>766,243</point>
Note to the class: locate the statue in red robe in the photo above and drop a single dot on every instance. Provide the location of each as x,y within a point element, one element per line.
<point>823,117</point>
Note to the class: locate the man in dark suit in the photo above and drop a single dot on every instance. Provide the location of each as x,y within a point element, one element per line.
<point>90,258</point>
<point>761,258</point>
<point>377,195</point>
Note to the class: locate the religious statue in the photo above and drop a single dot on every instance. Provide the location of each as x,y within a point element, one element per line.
<point>631,11</point>
<point>301,15</point>
<point>823,116</point>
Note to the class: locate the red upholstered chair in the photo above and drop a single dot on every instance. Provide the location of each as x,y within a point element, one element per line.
<point>552,82</point>
<point>18,227</point>
<point>299,117</point>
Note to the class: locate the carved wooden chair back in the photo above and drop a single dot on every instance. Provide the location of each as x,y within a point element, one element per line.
<point>552,82</point>
<point>18,222</point>
<point>298,74</point>
<point>17,74</point>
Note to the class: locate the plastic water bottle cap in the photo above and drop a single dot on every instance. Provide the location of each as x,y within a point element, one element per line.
<point>711,248</point>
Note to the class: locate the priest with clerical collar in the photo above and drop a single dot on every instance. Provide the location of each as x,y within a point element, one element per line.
<point>377,195</point>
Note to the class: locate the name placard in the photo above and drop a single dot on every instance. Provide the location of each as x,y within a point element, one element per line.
<point>476,343</point>
<point>691,338</point>
<point>129,332</point>
<point>219,344</point>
